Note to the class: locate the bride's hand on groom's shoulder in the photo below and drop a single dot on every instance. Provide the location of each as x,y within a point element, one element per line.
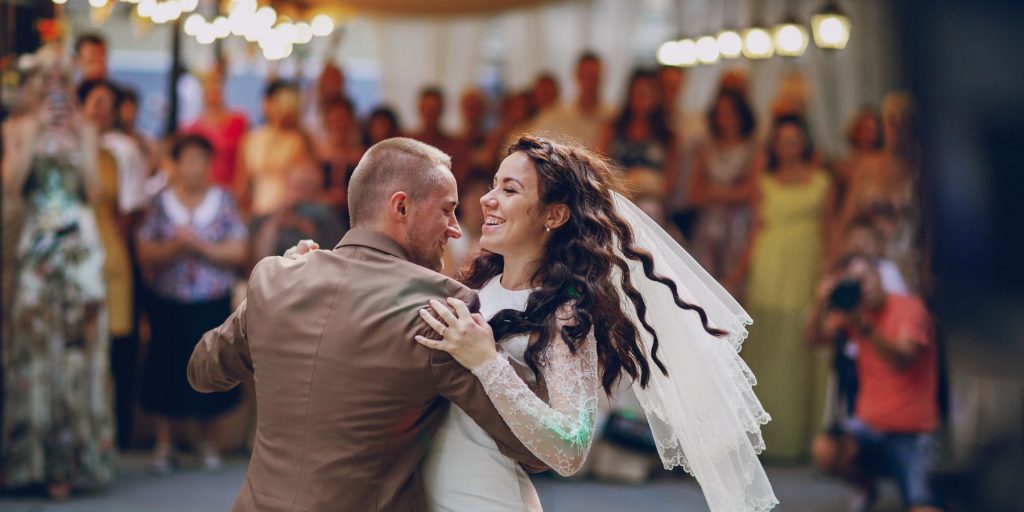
<point>466,336</point>
<point>301,248</point>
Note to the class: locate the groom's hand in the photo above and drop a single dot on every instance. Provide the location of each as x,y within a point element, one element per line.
<point>301,248</point>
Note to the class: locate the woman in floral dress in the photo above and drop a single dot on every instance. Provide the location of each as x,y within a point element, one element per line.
<point>58,426</point>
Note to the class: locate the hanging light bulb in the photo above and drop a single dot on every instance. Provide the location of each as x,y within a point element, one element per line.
<point>193,24</point>
<point>730,44</point>
<point>304,31</point>
<point>266,16</point>
<point>206,35</point>
<point>322,25</point>
<point>146,8</point>
<point>687,53</point>
<point>669,53</point>
<point>240,17</point>
<point>790,37</point>
<point>757,43</point>
<point>188,5</point>
<point>60,2</point>
<point>221,27</point>
<point>831,27</point>
<point>707,50</point>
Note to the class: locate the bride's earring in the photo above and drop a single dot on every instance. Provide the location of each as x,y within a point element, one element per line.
<point>547,229</point>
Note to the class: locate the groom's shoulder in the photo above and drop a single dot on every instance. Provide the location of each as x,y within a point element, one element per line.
<point>274,272</point>
<point>419,280</point>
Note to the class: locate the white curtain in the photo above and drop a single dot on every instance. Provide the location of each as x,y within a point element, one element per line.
<point>414,52</point>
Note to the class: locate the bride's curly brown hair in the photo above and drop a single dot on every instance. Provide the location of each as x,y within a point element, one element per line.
<point>576,268</point>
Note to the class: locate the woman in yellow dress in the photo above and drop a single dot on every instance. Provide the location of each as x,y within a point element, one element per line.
<point>783,264</point>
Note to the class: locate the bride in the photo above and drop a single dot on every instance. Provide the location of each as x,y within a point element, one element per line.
<point>583,289</point>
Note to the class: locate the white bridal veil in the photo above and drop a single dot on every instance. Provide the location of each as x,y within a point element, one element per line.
<point>704,414</point>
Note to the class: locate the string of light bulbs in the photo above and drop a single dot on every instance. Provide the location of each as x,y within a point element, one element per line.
<point>789,38</point>
<point>276,35</point>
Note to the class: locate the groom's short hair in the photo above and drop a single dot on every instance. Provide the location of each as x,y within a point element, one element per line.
<point>392,165</point>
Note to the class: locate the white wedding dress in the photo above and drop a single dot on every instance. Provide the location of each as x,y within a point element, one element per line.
<point>465,472</point>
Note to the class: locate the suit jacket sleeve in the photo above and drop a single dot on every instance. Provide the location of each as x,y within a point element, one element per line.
<point>221,359</point>
<point>459,385</point>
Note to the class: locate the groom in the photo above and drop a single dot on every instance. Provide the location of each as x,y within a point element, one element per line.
<point>347,401</point>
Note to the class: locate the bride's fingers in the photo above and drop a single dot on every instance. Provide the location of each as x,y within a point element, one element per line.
<point>434,323</point>
<point>443,312</point>
<point>479,319</point>
<point>429,343</point>
<point>460,308</point>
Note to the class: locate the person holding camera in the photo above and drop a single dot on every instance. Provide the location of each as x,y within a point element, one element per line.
<point>895,410</point>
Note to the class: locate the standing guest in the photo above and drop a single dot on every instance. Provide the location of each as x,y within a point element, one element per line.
<point>338,151</point>
<point>382,123</point>
<point>301,217</point>
<point>471,155</point>
<point>114,227</point>
<point>100,101</point>
<point>640,140</point>
<point>127,120</point>
<point>689,128</point>
<point>224,129</point>
<point>91,57</point>
<point>329,85</point>
<point>784,260</point>
<point>269,151</point>
<point>889,182</point>
<point>545,93</point>
<point>58,422</point>
<point>191,243</point>
<point>582,120</point>
<point>864,135</point>
<point>514,121</point>
<point>431,109</point>
<point>723,187</point>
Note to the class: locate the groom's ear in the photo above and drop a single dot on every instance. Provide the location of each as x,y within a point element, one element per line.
<point>398,205</point>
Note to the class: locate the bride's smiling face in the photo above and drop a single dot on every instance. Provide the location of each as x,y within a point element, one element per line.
<point>514,219</point>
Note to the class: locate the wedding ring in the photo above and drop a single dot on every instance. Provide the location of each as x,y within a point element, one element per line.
<point>443,330</point>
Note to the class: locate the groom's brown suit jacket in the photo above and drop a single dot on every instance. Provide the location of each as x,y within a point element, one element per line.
<point>347,401</point>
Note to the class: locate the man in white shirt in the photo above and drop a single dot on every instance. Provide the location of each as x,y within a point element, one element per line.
<point>581,121</point>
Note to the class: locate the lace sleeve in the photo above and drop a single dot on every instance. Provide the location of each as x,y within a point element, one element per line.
<point>559,433</point>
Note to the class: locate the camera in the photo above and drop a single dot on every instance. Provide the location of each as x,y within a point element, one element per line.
<point>846,295</point>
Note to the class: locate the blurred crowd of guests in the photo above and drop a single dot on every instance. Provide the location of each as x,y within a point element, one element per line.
<point>116,241</point>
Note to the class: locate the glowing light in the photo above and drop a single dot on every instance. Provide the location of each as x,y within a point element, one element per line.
<point>730,44</point>
<point>707,50</point>
<point>669,53</point>
<point>97,3</point>
<point>757,44</point>
<point>221,27</point>
<point>287,32</point>
<point>147,8</point>
<point>206,34</point>
<point>194,24</point>
<point>687,53</point>
<point>304,31</point>
<point>790,39</point>
<point>322,25</point>
<point>188,5</point>
<point>831,28</point>
<point>266,16</point>
<point>60,2</point>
